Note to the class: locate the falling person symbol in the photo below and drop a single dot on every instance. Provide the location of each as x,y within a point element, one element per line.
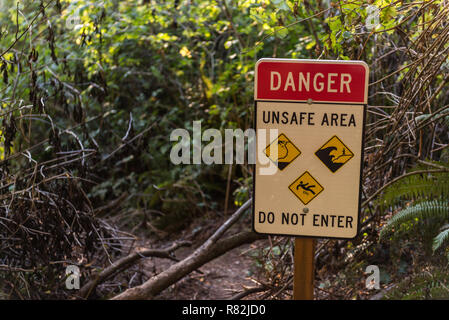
<point>305,186</point>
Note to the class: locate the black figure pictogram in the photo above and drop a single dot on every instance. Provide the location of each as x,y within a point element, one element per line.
<point>305,187</point>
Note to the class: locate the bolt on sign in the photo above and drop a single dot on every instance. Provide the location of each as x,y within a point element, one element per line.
<point>313,113</point>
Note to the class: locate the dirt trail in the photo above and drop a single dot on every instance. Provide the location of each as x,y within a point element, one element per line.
<point>221,278</point>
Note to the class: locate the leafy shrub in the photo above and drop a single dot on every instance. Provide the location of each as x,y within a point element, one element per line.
<point>427,209</point>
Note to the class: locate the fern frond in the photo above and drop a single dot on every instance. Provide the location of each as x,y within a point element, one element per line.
<point>441,238</point>
<point>423,210</point>
<point>417,187</point>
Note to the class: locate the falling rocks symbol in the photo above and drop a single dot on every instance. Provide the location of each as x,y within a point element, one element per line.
<point>287,152</point>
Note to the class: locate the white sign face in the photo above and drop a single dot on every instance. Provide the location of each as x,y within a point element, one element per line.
<point>315,191</point>
<point>318,152</point>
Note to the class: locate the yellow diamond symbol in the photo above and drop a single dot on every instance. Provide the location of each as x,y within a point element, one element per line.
<point>334,154</point>
<point>286,151</point>
<point>306,188</point>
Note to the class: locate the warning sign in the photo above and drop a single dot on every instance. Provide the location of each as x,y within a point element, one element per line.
<point>334,154</point>
<point>309,122</point>
<point>306,188</point>
<point>286,151</point>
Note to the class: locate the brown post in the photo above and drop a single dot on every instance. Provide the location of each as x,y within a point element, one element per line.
<point>304,271</point>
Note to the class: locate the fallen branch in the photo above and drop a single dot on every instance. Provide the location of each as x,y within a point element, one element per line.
<point>177,271</point>
<point>126,262</point>
<point>380,295</point>
<point>208,251</point>
<point>248,292</point>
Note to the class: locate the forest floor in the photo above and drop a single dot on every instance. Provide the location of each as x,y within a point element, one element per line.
<point>218,279</point>
<point>225,276</point>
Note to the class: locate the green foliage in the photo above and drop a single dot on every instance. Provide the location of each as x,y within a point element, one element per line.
<point>431,284</point>
<point>158,65</point>
<point>161,64</point>
<point>427,207</point>
<point>416,212</point>
<point>116,77</point>
<point>416,187</point>
<point>441,238</point>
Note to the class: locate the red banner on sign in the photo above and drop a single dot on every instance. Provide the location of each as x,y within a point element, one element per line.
<point>319,80</point>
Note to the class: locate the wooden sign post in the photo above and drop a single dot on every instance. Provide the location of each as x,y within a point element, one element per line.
<point>304,269</point>
<point>309,121</point>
